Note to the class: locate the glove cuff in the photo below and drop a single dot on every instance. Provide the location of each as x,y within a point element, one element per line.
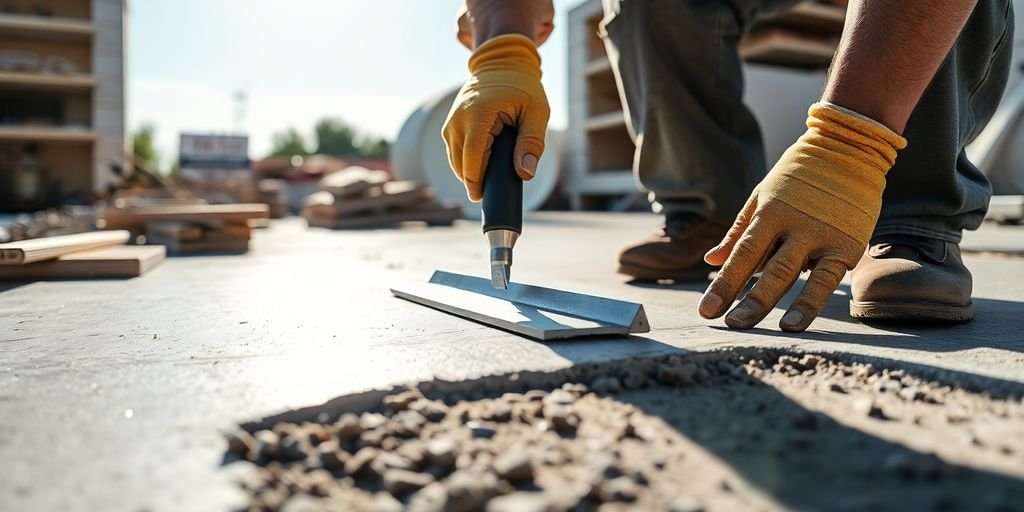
<point>877,143</point>
<point>515,50</point>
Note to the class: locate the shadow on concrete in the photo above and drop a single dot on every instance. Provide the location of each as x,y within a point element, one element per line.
<point>688,286</point>
<point>996,324</point>
<point>807,460</point>
<point>13,285</point>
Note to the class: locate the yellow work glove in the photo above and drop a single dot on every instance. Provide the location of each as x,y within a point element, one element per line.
<point>503,89</point>
<point>815,210</point>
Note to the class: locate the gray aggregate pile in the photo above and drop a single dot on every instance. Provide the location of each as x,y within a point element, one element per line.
<point>735,430</point>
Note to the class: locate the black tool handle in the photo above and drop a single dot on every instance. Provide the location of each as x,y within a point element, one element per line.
<point>503,188</point>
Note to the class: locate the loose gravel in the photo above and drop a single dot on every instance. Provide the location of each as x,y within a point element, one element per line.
<point>739,430</point>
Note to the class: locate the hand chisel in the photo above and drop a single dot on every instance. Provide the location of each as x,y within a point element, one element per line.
<point>502,206</point>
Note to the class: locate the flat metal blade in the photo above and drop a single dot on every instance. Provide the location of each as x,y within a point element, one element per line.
<point>540,313</point>
<point>500,274</point>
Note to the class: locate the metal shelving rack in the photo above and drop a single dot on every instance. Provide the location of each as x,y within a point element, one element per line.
<point>599,150</point>
<point>90,35</point>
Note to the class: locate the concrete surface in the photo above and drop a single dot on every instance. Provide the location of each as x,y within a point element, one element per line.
<point>113,394</point>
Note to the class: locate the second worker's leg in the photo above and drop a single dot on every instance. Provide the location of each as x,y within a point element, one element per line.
<point>913,269</point>
<point>698,147</point>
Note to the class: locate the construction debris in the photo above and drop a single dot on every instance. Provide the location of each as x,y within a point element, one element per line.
<point>63,221</point>
<point>357,198</point>
<point>735,430</point>
<point>190,229</point>
<point>80,256</point>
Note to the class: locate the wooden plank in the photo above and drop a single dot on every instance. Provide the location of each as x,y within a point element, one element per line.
<point>781,47</point>
<point>606,121</point>
<point>48,81</point>
<point>38,27</point>
<point>41,249</point>
<point>444,216</point>
<point>810,17</point>
<point>353,181</point>
<point>138,217</point>
<point>217,236</point>
<point>258,223</point>
<point>119,261</point>
<point>391,195</point>
<point>46,134</point>
<point>175,230</point>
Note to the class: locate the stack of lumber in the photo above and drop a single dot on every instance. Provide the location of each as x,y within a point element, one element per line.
<point>273,193</point>
<point>358,198</point>
<point>191,229</point>
<point>84,255</point>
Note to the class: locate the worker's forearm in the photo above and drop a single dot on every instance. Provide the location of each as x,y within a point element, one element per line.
<point>485,19</point>
<point>889,53</point>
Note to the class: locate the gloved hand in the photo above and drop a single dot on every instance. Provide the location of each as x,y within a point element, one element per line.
<point>815,210</point>
<point>503,89</point>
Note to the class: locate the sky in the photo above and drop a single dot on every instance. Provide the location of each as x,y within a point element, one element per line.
<point>370,62</point>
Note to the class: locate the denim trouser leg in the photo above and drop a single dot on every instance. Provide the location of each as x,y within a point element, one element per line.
<point>699,147</point>
<point>933,190</point>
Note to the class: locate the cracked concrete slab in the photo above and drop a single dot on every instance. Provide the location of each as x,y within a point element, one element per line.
<point>114,394</point>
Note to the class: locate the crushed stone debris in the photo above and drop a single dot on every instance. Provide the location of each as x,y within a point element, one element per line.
<point>734,430</point>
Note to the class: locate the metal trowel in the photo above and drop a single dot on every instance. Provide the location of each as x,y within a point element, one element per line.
<point>533,311</point>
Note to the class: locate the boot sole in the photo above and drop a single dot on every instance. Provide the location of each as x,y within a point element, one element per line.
<point>911,311</point>
<point>649,274</point>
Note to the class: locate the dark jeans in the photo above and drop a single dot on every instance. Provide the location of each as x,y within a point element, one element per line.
<point>699,147</point>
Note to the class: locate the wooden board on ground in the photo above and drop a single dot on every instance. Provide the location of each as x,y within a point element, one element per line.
<point>392,195</point>
<point>175,230</point>
<point>258,223</point>
<point>218,236</point>
<point>353,181</point>
<point>42,249</point>
<point>137,218</point>
<point>443,216</point>
<point>119,261</point>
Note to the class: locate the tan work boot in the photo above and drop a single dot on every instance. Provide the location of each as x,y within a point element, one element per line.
<point>674,251</point>
<point>912,278</point>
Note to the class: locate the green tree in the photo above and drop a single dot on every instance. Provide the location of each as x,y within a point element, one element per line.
<point>144,146</point>
<point>336,138</point>
<point>289,143</point>
<point>374,148</point>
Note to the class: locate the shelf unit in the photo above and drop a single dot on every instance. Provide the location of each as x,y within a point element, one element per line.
<point>599,148</point>
<point>37,27</point>
<point>62,86</point>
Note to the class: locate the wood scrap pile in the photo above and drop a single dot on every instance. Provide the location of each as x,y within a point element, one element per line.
<point>84,255</point>
<point>358,198</point>
<point>273,193</point>
<point>191,229</point>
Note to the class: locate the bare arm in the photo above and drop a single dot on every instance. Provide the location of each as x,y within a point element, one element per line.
<point>480,20</point>
<point>889,53</point>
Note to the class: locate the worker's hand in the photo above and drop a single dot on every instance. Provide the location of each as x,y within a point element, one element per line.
<point>503,89</point>
<point>815,210</point>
